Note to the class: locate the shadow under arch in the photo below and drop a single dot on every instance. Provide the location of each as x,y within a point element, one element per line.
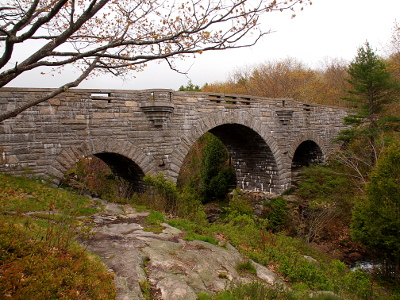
<point>125,168</point>
<point>307,149</point>
<point>307,153</point>
<point>123,158</point>
<point>252,157</point>
<point>254,163</point>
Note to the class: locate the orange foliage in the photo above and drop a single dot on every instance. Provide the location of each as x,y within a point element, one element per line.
<point>288,79</point>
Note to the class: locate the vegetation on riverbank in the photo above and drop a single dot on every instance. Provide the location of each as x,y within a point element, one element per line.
<point>39,257</point>
<point>39,224</point>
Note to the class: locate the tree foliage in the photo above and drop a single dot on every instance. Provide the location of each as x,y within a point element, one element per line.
<point>190,87</point>
<point>394,52</point>
<point>118,36</point>
<point>372,86</point>
<point>288,78</point>
<point>376,219</point>
<point>207,169</point>
<point>216,173</point>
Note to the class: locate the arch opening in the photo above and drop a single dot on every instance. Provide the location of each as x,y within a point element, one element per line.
<point>251,157</point>
<point>254,163</point>
<point>124,168</point>
<point>106,175</point>
<point>307,153</point>
<point>208,169</point>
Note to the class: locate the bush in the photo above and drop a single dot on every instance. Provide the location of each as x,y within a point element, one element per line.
<point>277,214</point>
<point>239,205</point>
<point>246,266</point>
<point>376,221</point>
<point>162,194</point>
<point>216,175</point>
<point>194,230</point>
<point>322,184</point>
<point>253,291</point>
<point>92,175</point>
<point>155,218</point>
<point>38,256</point>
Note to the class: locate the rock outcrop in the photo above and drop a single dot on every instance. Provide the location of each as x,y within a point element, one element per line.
<point>163,264</point>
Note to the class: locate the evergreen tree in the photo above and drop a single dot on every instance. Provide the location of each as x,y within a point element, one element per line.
<point>376,219</point>
<point>216,175</point>
<point>190,87</point>
<point>372,86</point>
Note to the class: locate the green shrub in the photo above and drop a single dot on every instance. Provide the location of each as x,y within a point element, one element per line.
<point>358,283</point>
<point>289,191</point>
<point>155,218</point>
<point>184,224</point>
<point>201,237</point>
<point>298,269</point>
<point>376,221</point>
<point>38,256</point>
<point>191,207</point>
<point>194,231</point>
<point>162,190</point>
<point>203,296</point>
<point>253,291</point>
<point>145,287</point>
<point>239,205</point>
<point>22,195</point>
<point>320,184</point>
<point>216,175</point>
<point>246,266</point>
<point>277,214</point>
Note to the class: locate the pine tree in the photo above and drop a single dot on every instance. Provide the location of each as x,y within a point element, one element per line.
<point>372,86</point>
<point>190,87</point>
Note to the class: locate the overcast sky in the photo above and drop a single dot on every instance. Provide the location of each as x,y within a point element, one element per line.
<point>326,29</point>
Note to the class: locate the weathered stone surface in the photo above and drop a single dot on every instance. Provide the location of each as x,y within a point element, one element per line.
<point>265,274</point>
<point>265,136</point>
<point>175,268</point>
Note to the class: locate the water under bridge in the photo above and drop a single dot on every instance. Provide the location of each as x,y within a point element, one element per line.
<point>151,131</point>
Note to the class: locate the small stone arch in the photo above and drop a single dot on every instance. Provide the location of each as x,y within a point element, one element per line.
<point>130,162</point>
<point>216,123</point>
<point>306,150</point>
<point>312,138</point>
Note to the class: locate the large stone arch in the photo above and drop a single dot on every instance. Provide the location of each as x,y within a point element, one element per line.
<point>263,177</point>
<point>124,158</point>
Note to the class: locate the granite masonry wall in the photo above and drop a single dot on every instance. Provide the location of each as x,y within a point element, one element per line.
<point>151,131</point>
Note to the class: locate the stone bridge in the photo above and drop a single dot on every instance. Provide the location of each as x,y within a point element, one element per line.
<point>151,131</point>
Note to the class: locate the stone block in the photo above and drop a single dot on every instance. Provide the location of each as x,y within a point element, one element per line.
<point>54,101</point>
<point>131,104</point>
<point>103,115</point>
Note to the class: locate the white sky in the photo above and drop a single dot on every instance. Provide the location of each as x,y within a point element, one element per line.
<point>327,29</point>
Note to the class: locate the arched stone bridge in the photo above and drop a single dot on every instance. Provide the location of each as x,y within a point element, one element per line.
<point>151,131</point>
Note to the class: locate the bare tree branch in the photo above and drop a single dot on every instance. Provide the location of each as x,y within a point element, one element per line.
<point>15,112</point>
<point>121,36</point>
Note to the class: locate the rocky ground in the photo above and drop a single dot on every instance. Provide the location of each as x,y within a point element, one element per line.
<point>163,265</point>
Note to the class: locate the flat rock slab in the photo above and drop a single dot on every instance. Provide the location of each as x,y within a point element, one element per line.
<point>175,268</point>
